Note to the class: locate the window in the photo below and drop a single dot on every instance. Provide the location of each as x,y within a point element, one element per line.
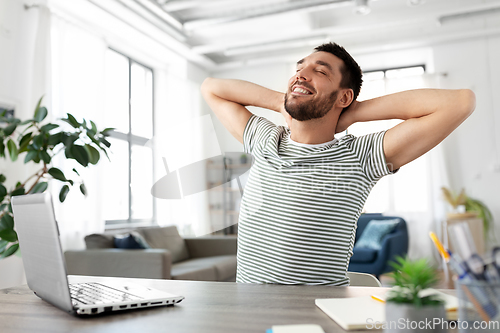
<point>128,177</point>
<point>407,190</point>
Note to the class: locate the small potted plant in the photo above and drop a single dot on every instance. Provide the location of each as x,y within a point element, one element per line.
<point>243,158</point>
<point>406,305</point>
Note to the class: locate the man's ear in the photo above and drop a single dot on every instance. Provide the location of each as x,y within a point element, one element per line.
<point>345,98</point>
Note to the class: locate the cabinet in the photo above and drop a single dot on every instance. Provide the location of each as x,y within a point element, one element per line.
<point>226,178</point>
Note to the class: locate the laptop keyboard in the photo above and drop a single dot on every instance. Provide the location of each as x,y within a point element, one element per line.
<point>96,293</point>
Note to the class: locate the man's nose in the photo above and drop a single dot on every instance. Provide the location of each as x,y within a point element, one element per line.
<point>302,75</point>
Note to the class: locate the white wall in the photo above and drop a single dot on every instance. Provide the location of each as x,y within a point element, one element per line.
<point>17,34</point>
<point>272,76</point>
<point>473,150</point>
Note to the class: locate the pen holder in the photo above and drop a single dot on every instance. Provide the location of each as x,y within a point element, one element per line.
<point>478,306</point>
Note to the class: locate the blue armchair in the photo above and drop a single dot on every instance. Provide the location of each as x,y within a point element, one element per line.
<point>374,262</point>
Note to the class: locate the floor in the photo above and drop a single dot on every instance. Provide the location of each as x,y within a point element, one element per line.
<point>387,281</point>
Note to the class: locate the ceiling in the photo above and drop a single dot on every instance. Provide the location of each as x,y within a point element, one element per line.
<point>227,33</point>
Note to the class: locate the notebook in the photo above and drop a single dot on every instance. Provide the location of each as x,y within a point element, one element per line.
<point>46,271</point>
<point>364,312</point>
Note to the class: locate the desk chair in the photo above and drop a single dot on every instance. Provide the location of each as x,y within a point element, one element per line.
<point>363,280</point>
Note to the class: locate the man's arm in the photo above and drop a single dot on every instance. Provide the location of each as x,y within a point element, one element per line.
<point>429,115</point>
<point>228,98</point>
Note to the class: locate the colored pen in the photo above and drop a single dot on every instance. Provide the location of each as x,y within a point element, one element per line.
<point>479,296</point>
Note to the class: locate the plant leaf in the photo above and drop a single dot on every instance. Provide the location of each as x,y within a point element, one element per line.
<point>6,222</point>
<point>93,154</point>
<point>57,174</point>
<point>55,139</point>
<point>72,121</point>
<point>8,235</point>
<point>38,104</point>
<point>32,154</point>
<point>45,156</point>
<point>2,149</point>
<point>2,178</point>
<point>24,142</point>
<point>74,170</point>
<point>38,141</point>
<point>40,187</point>
<point>106,142</point>
<point>83,189</point>
<point>40,114</point>
<point>63,193</point>
<point>27,121</point>
<point>80,155</point>
<point>94,127</point>
<point>9,129</point>
<point>3,191</point>
<point>48,127</point>
<point>3,245</point>
<point>10,251</point>
<point>18,191</point>
<point>13,152</point>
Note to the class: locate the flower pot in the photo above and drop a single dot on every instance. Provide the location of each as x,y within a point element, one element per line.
<point>402,317</point>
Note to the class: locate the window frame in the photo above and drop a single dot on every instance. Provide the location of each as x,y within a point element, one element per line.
<point>131,140</point>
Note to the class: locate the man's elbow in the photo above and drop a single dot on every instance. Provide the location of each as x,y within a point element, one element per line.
<point>206,86</point>
<point>467,101</point>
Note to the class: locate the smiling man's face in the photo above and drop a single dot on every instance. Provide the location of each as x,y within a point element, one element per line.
<point>313,90</point>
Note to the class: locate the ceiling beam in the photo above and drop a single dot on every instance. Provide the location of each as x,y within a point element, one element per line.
<point>279,9</point>
<point>154,7</point>
<point>178,5</point>
<point>126,15</point>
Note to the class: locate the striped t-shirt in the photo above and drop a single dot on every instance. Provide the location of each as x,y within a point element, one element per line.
<point>301,203</point>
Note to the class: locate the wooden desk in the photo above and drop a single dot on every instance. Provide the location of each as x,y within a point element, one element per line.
<point>217,307</point>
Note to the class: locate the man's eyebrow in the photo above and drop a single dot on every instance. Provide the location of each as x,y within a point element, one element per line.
<point>319,62</point>
<point>327,65</point>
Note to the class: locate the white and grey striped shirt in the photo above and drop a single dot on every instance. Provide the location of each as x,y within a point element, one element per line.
<point>300,205</point>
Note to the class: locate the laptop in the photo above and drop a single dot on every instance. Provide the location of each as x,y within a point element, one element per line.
<point>46,270</point>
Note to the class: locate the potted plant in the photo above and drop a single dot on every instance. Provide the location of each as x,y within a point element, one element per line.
<point>38,143</point>
<point>406,305</point>
<point>465,206</point>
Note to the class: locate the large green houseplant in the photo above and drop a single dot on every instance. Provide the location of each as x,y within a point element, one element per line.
<point>38,144</point>
<point>406,301</point>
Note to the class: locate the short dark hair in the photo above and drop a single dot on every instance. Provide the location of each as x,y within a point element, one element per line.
<point>352,76</point>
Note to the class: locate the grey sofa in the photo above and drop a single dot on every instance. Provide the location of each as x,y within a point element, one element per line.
<point>209,258</point>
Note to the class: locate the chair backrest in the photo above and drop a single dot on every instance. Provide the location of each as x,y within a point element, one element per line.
<point>363,280</point>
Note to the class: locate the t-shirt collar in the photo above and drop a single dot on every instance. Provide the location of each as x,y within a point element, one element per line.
<point>317,145</point>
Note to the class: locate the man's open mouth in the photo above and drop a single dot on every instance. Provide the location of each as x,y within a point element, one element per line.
<point>301,91</point>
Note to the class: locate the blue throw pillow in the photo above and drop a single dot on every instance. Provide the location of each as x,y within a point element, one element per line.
<point>375,232</point>
<point>132,240</point>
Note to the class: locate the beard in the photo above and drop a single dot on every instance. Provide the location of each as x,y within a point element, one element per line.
<point>311,109</point>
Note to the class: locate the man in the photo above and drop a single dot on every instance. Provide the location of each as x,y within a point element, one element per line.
<point>306,189</point>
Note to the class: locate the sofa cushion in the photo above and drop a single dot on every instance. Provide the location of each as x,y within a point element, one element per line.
<point>363,254</point>
<point>99,241</point>
<point>375,232</point>
<point>219,268</point>
<point>132,240</point>
<point>166,238</point>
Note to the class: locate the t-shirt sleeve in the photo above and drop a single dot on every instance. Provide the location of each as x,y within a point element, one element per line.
<point>256,130</point>
<point>370,151</point>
